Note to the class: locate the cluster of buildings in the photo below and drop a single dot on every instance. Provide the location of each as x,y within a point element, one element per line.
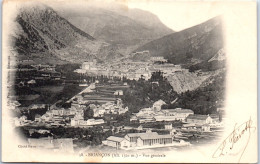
<point>109,108</point>
<point>129,69</point>
<point>141,141</point>
<point>155,113</point>
<point>74,116</point>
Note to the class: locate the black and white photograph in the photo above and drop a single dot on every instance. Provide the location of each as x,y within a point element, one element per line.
<point>127,81</point>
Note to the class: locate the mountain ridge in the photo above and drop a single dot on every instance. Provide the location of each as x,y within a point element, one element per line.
<point>197,42</point>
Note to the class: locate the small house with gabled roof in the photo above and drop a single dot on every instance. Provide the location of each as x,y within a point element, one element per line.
<point>199,119</point>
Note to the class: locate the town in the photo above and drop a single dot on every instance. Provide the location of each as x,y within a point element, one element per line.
<point>99,112</point>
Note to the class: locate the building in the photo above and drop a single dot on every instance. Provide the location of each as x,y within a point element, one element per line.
<point>158,59</point>
<point>205,127</point>
<point>82,122</point>
<point>88,65</point>
<point>95,122</point>
<point>168,126</point>
<point>37,106</point>
<point>158,105</point>
<point>199,119</point>
<point>117,142</point>
<point>154,139</point>
<point>139,140</point>
<point>119,92</point>
<point>173,114</point>
<point>215,118</point>
<point>178,113</point>
<point>132,137</point>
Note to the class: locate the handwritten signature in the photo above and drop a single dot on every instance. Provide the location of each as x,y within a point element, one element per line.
<point>241,132</point>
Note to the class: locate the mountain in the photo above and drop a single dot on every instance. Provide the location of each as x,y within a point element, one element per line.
<point>41,31</point>
<point>199,50</point>
<point>116,24</point>
<point>45,35</point>
<point>190,46</point>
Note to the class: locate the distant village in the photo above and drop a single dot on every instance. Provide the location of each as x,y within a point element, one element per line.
<point>130,69</point>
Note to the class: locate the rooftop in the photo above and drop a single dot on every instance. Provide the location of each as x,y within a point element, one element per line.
<point>140,134</point>
<point>198,116</point>
<point>116,139</point>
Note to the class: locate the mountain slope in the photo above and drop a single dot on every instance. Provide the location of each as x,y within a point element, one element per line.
<point>119,26</point>
<point>197,43</point>
<point>200,49</point>
<point>44,30</point>
<point>44,36</point>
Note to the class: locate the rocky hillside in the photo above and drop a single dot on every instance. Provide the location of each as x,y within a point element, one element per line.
<point>189,81</point>
<point>198,43</point>
<point>199,50</point>
<point>42,31</point>
<point>44,36</point>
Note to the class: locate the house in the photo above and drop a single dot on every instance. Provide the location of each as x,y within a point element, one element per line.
<point>158,104</point>
<point>189,126</point>
<point>46,117</point>
<point>173,114</point>
<point>99,112</point>
<point>215,118</point>
<point>37,106</point>
<point>140,127</point>
<point>168,126</point>
<point>119,92</point>
<point>74,122</point>
<point>132,137</point>
<point>205,127</point>
<point>31,82</point>
<point>199,119</point>
<point>173,132</point>
<point>147,139</point>
<point>37,118</point>
<point>94,122</point>
<point>117,142</point>
<point>158,59</point>
<point>178,113</point>
<point>139,140</point>
<point>122,110</point>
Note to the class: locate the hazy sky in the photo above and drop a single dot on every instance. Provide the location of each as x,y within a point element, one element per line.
<point>176,14</point>
<point>180,15</point>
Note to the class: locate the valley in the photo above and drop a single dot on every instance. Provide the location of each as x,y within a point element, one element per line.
<point>115,78</point>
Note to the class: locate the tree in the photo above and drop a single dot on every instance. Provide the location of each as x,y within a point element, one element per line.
<point>88,113</point>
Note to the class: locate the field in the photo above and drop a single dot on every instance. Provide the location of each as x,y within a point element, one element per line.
<point>49,94</point>
<point>104,93</point>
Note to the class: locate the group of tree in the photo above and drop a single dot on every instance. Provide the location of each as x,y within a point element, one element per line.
<point>143,93</point>
<point>88,113</point>
<point>81,136</point>
<point>203,100</point>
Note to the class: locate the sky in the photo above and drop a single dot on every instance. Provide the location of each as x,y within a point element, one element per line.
<point>176,14</point>
<point>180,15</point>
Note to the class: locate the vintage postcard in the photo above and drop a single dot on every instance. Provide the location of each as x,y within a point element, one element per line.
<point>129,81</point>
